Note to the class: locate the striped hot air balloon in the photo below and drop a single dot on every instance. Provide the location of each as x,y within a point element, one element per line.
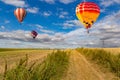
<point>20,14</point>
<point>34,34</point>
<point>87,13</point>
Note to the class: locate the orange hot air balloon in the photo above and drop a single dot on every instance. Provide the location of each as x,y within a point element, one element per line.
<point>87,13</point>
<point>20,14</point>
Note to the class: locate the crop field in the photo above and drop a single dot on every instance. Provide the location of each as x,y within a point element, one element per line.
<point>35,64</point>
<point>109,60</point>
<point>69,64</point>
<point>13,56</point>
<point>113,51</point>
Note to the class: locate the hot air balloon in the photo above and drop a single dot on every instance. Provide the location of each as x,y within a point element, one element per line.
<point>34,34</point>
<point>20,14</point>
<point>87,13</point>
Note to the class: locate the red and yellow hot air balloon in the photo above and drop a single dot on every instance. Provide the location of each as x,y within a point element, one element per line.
<point>87,13</point>
<point>34,34</point>
<point>20,14</point>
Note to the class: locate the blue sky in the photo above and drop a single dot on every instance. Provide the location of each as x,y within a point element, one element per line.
<point>57,24</point>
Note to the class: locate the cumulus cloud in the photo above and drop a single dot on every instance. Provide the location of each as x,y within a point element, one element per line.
<point>17,3</point>
<point>63,14</point>
<point>33,10</point>
<point>39,26</point>
<point>2,27</point>
<point>49,1</point>
<point>107,3</point>
<point>46,31</point>
<point>46,14</point>
<point>21,35</point>
<point>6,21</point>
<point>67,1</point>
<point>105,31</point>
<point>61,1</point>
<point>70,24</point>
<point>23,39</point>
<point>108,30</point>
<point>41,29</point>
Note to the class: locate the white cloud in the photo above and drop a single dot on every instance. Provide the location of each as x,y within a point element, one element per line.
<point>102,10</point>
<point>7,21</point>
<point>46,31</point>
<point>107,3</point>
<point>107,30</point>
<point>70,24</point>
<point>63,14</point>
<point>24,39</point>
<point>46,14</point>
<point>39,26</point>
<point>2,28</point>
<point>42,29</point>
<point>33,10</point>
<point>17,3</point>
<point>67,1</point>
<point>49,1</point>
<point>61,1</point>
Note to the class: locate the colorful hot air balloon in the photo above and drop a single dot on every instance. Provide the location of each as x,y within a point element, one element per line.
<point>87,13</point>
<point>34,34</point>
<point>20,14</point>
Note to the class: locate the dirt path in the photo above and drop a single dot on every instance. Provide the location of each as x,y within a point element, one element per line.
<point>81,69</point>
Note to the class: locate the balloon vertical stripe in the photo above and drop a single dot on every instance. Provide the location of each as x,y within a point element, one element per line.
<point>20,14</point>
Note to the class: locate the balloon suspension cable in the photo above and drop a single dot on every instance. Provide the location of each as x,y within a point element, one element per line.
<point>88,31</point>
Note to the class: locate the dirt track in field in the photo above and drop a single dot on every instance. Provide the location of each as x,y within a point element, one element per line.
<point>81,69</point>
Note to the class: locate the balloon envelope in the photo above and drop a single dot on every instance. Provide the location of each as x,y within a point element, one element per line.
<point>87,13</point>
<point>34,34</point>
<point>20,14</point>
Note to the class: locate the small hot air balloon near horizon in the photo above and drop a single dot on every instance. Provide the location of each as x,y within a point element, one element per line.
<point>87,13</point>
<point>20,14</point>
<point>34,34</point>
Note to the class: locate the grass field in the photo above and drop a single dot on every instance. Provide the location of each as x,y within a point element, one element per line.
<point>113,51</point>
<point>69,64</point>
<point>48,64</point>
<point>12,56</point>
<point>103,57</point>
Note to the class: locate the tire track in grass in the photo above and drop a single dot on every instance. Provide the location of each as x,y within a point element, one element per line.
<point>80,69</point>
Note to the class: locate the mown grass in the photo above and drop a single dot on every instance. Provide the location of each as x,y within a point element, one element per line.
<point>104,58</point>
<point>52,68</point>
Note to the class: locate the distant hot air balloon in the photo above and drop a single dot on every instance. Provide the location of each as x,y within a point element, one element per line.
<point>34,34</point>
<point>87,13</point>
<point>20,14</point>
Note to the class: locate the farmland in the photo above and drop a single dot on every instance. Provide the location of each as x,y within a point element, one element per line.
<point>69,64</point>
<point>12,56</point>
